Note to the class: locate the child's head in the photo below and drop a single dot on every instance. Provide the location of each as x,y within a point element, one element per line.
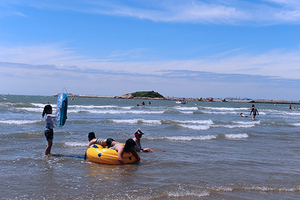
<point>138,133</point>
<point>91,136</point>
<point>109,141</point>
<point>47,110</point>
<point>129,145</point>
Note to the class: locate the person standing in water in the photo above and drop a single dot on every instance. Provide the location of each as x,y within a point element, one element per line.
<point>49,118</point>
<point>254,111</point>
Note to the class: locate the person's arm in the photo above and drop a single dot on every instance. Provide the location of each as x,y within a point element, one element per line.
<point>134,153</point>
<point>147,150</point>
<point>90,143</point>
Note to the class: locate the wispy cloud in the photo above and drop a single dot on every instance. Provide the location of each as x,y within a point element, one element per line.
<point>275,63</point>
<point>177,11</point>
<point>183,11</point>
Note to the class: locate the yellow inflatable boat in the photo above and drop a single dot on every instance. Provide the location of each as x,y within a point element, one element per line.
<point>96,153</point>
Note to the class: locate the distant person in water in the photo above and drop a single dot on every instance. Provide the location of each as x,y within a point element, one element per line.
<point>254,111</point>
<point>242,115</point>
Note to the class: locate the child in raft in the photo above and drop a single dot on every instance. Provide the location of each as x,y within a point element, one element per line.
<point>129,146</point>
<point>49,118</point>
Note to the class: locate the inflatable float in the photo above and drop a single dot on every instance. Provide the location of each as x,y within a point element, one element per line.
<point>61,109</point>
<point>96,153</point>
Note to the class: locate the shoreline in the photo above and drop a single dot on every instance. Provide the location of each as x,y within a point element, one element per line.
<point>229,100</point>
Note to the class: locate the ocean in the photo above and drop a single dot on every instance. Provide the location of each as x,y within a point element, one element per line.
<point>210,151</point>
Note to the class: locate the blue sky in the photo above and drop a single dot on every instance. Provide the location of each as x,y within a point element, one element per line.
<point>182,48</point>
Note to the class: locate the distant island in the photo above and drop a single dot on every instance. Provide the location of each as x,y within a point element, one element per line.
<point>143,94</point>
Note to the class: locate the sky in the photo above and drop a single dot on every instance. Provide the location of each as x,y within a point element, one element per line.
<point>180,48</point>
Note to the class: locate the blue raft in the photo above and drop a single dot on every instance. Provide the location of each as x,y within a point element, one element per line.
<point>61,110</point>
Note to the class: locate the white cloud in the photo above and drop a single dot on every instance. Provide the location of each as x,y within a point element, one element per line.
<point>188,11</point>
<point>276,63</point>
<point>177,11</point>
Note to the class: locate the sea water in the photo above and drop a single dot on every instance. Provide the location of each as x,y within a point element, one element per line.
<point>210,151</point>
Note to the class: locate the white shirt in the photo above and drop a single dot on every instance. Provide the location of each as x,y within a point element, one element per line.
<point>49,118</point>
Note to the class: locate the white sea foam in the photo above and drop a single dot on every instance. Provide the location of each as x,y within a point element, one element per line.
<point>267,188</point>
<point>137,112</point>
<point>257,188</point>
<point>40,110</point>
<point>296,124</point>
<point>236,136</point>
<point>222,188</point>
<point>247,123</point>
<point>187,112</point>
<point>136,121</point>
<point>40,105</point>
<point>187,194</point>
<point>195,127</point>
<point>75,144</point>
<point>208,122</point>
<point>125,121</point>
<point>225,108</point>
<point>105,109</point>
<point>19,122</point>
<point>34,109</point>
<point>185,108</point>
<point>92,107</point>
<point>188,138</point>
<point>219,113</point>
<point>236,126</point>
<point>293,113</point>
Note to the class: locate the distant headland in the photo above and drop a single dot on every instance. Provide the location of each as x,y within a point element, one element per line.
<point>151,95</point>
